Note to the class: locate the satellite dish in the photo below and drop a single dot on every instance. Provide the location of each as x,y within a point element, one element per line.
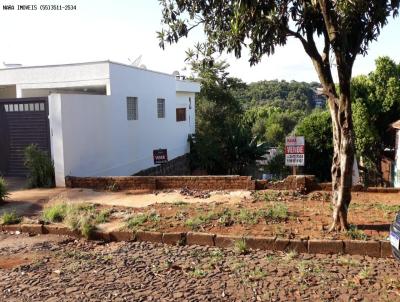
<point>143,66</point>
<point>136,62</point>
<point>176,73</point>
<point>11,65</point>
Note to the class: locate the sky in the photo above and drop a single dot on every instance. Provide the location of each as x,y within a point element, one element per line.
<point>123,30</point>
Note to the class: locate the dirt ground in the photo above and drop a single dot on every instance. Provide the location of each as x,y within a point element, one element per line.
<point>234,213</point>
<point>65,269</point>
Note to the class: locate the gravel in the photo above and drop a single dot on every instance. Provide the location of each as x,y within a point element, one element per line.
<point>79,270</point>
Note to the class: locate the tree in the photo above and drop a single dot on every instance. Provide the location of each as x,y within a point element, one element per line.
<point>345,28</point>
<point>376,104</point>
<point>317,131</point>
<point>223,143</point>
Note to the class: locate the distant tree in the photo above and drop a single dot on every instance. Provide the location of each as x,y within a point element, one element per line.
<point>317,131</point>
<point>376,104</point>
<point>223,143</point>
<point>346,29</point>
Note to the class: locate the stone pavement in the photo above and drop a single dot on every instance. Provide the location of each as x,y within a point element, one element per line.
<point>64,269</point>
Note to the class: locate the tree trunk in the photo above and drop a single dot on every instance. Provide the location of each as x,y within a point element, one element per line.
<point>343,157</point>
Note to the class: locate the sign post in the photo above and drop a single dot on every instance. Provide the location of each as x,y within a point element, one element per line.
<point>294,152</point>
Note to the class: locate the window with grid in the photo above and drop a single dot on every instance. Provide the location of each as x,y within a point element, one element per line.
<point>161,108</point>
<point>180,114</point>
<point>132,108</point>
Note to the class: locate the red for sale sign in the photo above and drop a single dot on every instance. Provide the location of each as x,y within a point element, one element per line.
<point>294,151</point>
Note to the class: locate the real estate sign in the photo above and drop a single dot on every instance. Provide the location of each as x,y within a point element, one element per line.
<point>160,156</point>
<point>294,151</point>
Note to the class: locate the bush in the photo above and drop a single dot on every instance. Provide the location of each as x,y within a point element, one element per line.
<point>55,213</point>
<point>3,189</point>
<point>10,218</point>
<point>40,166</point>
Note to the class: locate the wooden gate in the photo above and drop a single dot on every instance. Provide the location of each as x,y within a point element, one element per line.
<point>22,122</point>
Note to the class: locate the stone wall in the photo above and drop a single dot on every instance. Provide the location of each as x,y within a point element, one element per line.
<point>162,182</point>
<point>177,166</point>
<point>300,183</point>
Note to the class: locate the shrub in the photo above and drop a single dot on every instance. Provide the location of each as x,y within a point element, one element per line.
<point>355,233</point>
<point>40,166</point>
<point>240,247</point>
<point>55,213</point>
<point>10,218</point>
<point>86,225</point>
<point>102,217</point>
<point>3,189</point>
<point>278,211</point>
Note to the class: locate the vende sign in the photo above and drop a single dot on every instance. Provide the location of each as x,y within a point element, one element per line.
<point>294,151</point>
<point>160,156</point>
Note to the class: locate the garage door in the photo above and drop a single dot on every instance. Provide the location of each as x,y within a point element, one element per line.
<point>22,122</point>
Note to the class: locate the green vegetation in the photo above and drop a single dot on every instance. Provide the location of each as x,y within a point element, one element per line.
<point>3,189</point>
<point>198,273</point>
<point>55,213</point>
<point>78,217</point>
<point>388,209</point>
<point>40,166</point>
<point>278,211</point>
<point>10,218</point>
<point>240,247</point>
<point>138,220</point>
<point>290,255</point>
<point>355,233</point>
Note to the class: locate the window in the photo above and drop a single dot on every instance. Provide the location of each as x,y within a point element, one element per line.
<point>161,108</point>
<point>132,108</point>
<point>180,114</point>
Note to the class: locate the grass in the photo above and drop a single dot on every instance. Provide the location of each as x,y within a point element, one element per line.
<point>278,211</point>
<point>198,273</point>
<point>180,203</point>
<point>103,216</point>
<point>248,217</point>
<point>196,222</point>
<point>55,213</point>
<point>290,255</point>
<point>240,247</point>
<point>348,262</point>
<point>3,189</point>
<point>365,273</point>
<point>355,233</point>
<point>140,219</point>
<point>10,218</point>
<point>388,208</point>
<point>257,274</point>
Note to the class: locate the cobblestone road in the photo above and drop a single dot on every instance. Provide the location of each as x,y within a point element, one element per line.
<point>69,270</point>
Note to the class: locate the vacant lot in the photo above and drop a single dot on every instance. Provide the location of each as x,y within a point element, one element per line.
<point>47,268</point>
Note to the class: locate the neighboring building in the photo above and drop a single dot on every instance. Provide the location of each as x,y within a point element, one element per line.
<point>99,118</point>
<point>396,164</point>
<point>319,98</point>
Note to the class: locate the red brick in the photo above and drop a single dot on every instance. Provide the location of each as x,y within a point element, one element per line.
<point>325,247</point>
<point>386,249</point>
<point>122,236</point>
<point>12,228</point>
<point>260,243</point>
<point>200,239</point>
<point>300,246</point>
<point>174,238</point>
<point>155,237</point>
<point>59,230</point>
<point>226,241</point>
<point>32,228</point>
<point>364,248</point>
<point>281,244</point>
<point>98,235</point>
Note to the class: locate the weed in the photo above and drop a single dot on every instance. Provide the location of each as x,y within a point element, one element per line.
<point>348,262</point>
<point>270,258</point>
<point>307,268</point>
<point>103,216</point>
<point>140,219</point>
<point>180,203</point>
<point>86,226</point>
<point>355,233</point>
<point>40,166</point>
<point>388,209</point>
<point>278,211</point>
<point>246,217</point>
<point>237,266</point>
<point>112,187</point>
<point>365,273</point>
<point>216,255</point>
<point>198,273</point>
<point>55,213</point>
<point>270,196</point>
<point>240,247</point>
<point>290,255</point>
<point>257,274</point>
<point>10,218</point>
<point>196,222</point>
<point>3,189</point>
<point>226,218</point>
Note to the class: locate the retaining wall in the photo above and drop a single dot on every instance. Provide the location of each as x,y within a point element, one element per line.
<point>162,182</point>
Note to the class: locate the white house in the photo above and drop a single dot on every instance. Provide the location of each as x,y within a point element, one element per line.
<point>99,118</point>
